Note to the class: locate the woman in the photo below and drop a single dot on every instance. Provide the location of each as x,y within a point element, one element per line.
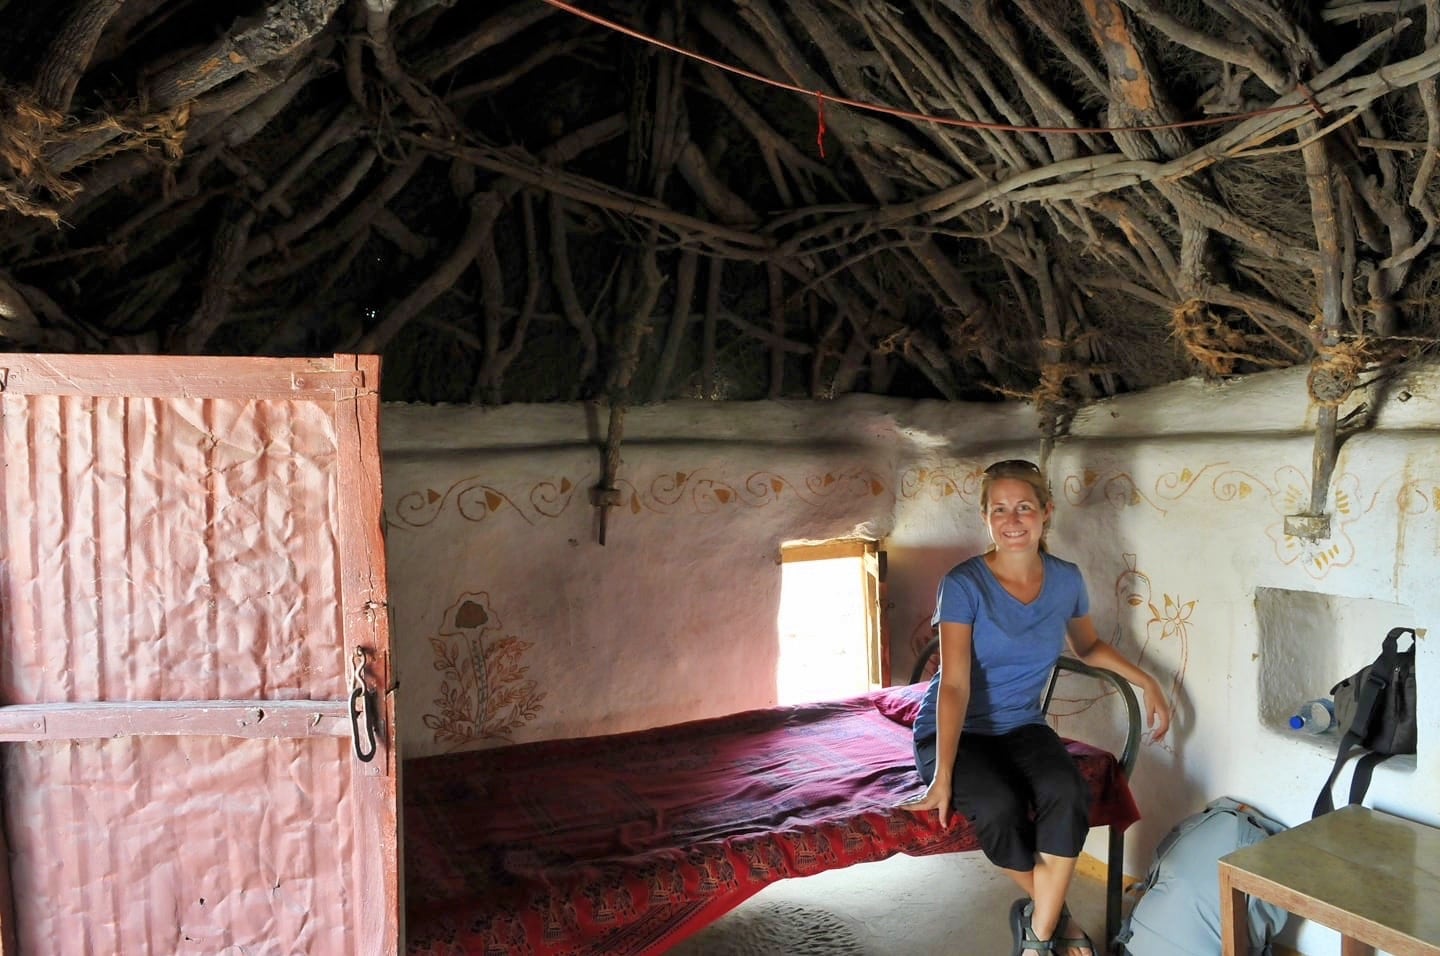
<point>1004,616</point>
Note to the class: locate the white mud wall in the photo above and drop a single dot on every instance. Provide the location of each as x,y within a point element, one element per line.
<point>514,623</point>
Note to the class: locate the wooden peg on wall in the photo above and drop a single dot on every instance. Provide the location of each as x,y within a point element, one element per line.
<point>605,495</point>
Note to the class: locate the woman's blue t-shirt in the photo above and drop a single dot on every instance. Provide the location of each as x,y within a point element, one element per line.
<point>1014,646</point>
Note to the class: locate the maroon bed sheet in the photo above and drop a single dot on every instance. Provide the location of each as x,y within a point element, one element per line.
<point>626,844</point>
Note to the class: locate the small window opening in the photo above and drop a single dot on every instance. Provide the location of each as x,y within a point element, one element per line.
<point>829,622</point>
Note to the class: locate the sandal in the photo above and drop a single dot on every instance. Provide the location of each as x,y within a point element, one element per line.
<point>1023,934</point>
<point>1082,941</point>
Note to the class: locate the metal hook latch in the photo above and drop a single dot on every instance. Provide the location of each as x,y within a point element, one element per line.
<point>364,709</point>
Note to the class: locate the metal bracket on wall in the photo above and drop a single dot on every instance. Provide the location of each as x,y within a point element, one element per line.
<point>1308,526</point>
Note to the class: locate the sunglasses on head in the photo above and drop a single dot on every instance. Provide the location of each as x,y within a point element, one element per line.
<point>1012,465</point>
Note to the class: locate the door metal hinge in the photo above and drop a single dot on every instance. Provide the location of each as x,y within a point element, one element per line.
<point>319,380</point>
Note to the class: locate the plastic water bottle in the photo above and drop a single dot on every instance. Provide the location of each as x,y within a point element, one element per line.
<point>1314,717</point>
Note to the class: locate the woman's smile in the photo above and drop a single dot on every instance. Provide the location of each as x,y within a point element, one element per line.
<point>1015,517</point>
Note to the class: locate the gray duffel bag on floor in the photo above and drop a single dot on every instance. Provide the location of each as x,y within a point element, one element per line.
<point>1178,913</point>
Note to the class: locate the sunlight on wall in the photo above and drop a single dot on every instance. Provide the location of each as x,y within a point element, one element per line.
<point>823,654</point>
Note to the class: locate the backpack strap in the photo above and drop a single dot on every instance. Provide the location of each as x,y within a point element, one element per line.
<point>1325,802</point>
<point>1377,678</point>
<point>1364,767</point>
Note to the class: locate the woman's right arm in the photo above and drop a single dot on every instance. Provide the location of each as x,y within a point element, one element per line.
<point>952,701</point>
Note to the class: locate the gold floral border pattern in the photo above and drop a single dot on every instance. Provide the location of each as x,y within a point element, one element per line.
<point>1119,490</point>
<point>484,693</point>
<point>1415,496</point>
<point>670,492</point>
<point>1288,493</point>
<point>475,500</point>
<point>939,482</point>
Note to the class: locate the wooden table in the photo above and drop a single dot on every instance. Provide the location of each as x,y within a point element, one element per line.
<point>1372,877</point>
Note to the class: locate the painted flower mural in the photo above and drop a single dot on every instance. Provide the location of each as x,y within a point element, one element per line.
<point>484,693</point>
<point>1292,496</point>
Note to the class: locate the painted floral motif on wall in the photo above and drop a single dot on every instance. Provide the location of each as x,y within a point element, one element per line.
<point>674,491</point>
<point>1318,558</point>
<point>1164,647</point>
<point>920,636</point>
<point>939,482</point>
<point>484,693</point>
<point>1288,493</point>
<point>1415,497</point>
<point>1118,490</point>
<point>697,491</point>
<point>474,500</point>
<point>1169,621</point>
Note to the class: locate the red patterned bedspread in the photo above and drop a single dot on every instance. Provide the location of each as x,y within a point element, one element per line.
<point>627,844</point>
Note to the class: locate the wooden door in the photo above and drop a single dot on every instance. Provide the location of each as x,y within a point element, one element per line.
<point>195,670</point>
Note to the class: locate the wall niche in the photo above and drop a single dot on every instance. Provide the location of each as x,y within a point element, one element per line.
<point>1309,642</point>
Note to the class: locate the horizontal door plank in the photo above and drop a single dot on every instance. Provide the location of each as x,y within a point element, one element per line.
<point>228,718</point>
<point>197,376</point>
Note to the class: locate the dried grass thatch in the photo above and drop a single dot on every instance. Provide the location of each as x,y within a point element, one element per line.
<point>517,204</point>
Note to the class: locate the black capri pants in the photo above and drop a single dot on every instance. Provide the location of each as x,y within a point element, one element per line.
<point>1021,791</point>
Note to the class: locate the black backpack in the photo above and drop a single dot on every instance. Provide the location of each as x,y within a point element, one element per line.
<point>1375,709</point>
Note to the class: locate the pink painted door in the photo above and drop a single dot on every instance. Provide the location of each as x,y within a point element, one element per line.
<point>196,713</point>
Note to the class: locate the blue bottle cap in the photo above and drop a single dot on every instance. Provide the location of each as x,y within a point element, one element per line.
<point>1297,722</point>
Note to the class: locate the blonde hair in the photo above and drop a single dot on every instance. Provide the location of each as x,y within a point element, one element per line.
<point>1020,470</point>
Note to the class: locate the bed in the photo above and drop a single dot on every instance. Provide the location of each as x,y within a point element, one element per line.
<point>626,844</point>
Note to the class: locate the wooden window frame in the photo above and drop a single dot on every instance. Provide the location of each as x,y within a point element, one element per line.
<point>872,570</point>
